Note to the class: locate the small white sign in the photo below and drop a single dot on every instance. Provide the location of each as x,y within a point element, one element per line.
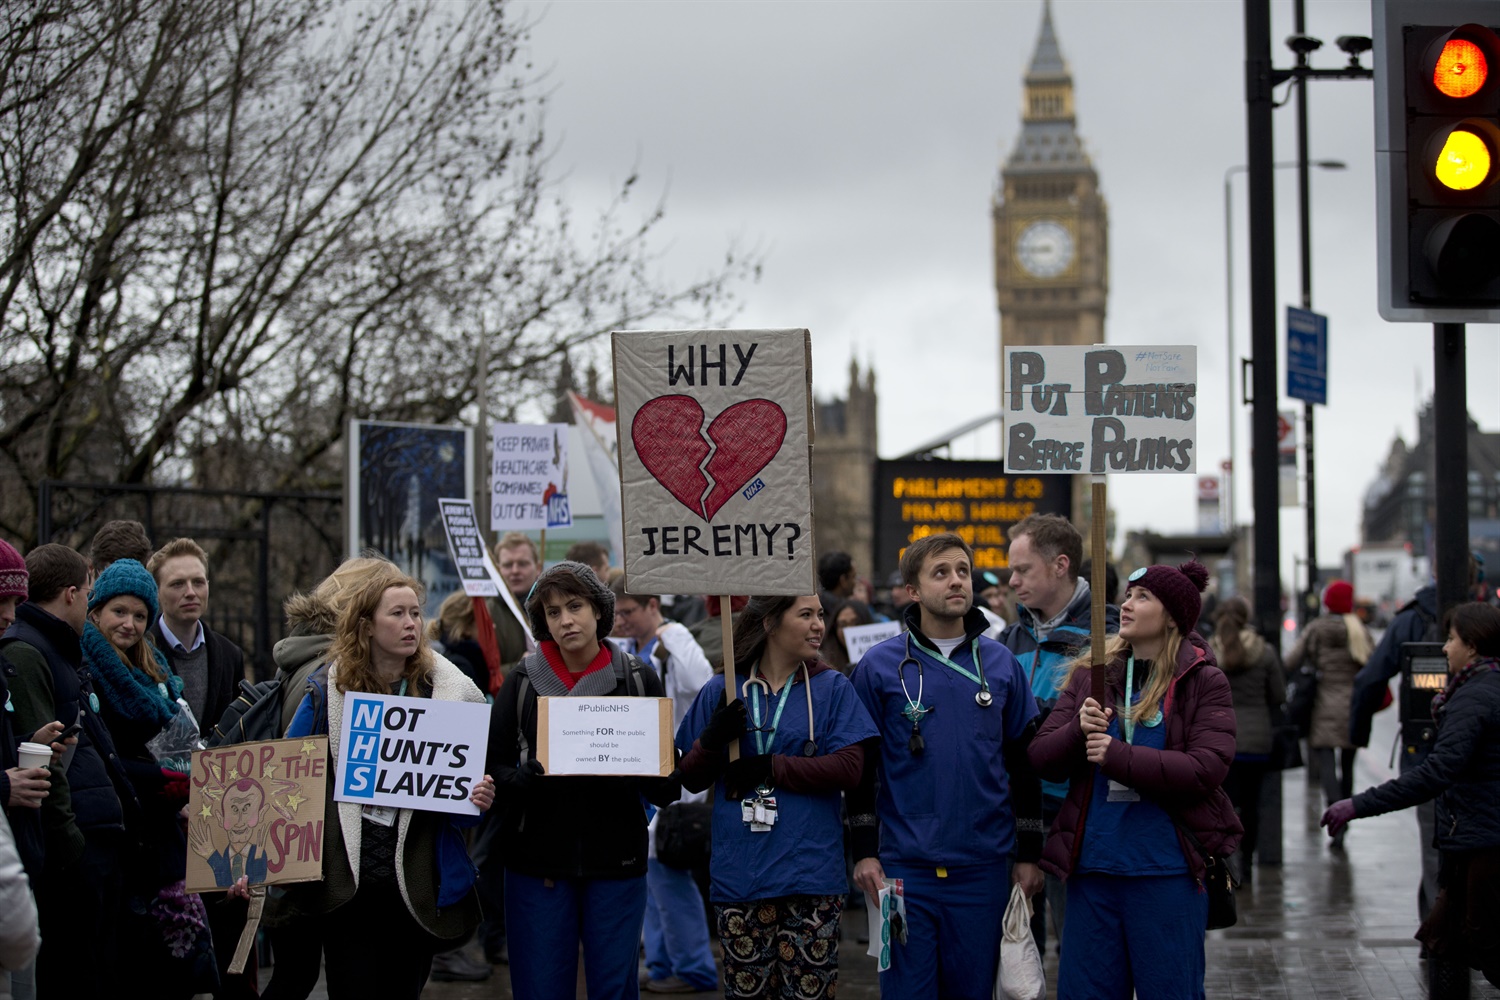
<point>411,753</point>
<point>605,736</point>
<point>859,638</point>
<point>529,477</point>
<point>466,545</point>
<point>1101,409</point>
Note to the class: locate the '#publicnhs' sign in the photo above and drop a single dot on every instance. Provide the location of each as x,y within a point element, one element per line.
<point>1098,410</point>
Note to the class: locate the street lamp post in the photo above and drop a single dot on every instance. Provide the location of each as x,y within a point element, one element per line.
<point>1229,302</point>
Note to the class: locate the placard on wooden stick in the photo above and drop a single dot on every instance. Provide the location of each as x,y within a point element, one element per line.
<point>715,461</point>
<point>1098,410</point>
<point>256,811</point>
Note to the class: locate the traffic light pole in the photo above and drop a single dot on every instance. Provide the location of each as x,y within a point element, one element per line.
<point>1263,456</point>
<point>1310,597</point>
<point>1450,437</point>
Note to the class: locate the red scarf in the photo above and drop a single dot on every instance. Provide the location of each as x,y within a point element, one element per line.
<point>555,660</point>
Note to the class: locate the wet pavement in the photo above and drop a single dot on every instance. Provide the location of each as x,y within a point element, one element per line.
<point>1322,924</point>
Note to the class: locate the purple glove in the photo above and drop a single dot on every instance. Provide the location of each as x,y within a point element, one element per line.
<point>1338,816</point>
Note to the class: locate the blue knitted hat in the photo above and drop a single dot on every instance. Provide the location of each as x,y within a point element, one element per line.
<point>125,576</point>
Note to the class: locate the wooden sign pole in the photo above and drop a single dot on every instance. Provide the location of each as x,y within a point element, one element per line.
<point>1099,553</point>
<point>731,689</point>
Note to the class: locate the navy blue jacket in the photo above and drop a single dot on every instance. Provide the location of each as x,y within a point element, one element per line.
<point>1416,622</point>
<point>25,823</point>
<point>100,792</point>
<point>1462,772</point>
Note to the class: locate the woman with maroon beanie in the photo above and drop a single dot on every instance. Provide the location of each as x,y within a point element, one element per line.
<point>1144,799</point>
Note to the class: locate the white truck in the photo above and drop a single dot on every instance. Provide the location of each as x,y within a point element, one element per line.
<point>1385,576</point>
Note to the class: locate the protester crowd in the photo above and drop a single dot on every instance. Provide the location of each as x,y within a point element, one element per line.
<point>971,758</point>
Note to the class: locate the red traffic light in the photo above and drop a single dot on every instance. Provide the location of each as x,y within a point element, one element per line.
<point>1458,63</point>
<point>1460,69</point>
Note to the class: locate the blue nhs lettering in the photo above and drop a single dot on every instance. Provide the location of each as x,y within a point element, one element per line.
<point>364,748</point>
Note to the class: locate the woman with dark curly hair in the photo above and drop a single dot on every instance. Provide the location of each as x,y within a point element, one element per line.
<point>777,868</point>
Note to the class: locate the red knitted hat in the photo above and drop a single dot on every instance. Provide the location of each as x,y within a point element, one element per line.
<point>1178,590</point>
<point>14,579</point>
<point>1338,597</point>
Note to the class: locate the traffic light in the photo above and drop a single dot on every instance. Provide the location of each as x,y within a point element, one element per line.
<point>1437,73</point>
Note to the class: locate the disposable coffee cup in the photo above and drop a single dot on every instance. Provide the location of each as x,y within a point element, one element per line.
<point>35,755</point>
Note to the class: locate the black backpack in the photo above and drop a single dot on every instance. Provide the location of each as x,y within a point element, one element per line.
<point>253,717</point>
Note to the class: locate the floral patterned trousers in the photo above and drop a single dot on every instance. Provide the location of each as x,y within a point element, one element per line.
<point>785,948</point>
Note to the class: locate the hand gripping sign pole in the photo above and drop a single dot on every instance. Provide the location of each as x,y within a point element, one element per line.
<point>1099,553</point>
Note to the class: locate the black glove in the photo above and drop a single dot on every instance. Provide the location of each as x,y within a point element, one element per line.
<point>743,776</point>
<point>726,725</point>
<point>528,772</point>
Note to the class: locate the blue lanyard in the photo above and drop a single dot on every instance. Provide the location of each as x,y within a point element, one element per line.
<point>1126,720</point>
<point>764,739</point>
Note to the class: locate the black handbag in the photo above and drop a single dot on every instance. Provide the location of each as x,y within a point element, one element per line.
<point>1286,742</point>
<point>1218,881</point>
<point>1302,697</point>
<point>684,834</point>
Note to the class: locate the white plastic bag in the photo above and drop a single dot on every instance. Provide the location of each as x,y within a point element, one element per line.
<point>1020,976</point>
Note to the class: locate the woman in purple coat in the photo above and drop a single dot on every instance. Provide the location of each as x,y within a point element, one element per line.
<point>1144,798</point>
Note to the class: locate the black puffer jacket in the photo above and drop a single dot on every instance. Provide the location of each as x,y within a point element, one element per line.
<point>1462,772</point>
<point>569,827</point>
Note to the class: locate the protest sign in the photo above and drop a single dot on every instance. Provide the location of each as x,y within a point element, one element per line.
<point>529,477</point>
<point>715,461</point>
<point>256,811</point>
<point>1100,409</point>
<point>466,545</point>
<point>859,638</point>
<point>411,753</point>
<point>613,736</point>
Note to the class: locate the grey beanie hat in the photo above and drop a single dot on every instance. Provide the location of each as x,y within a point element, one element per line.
<point>563,576</point>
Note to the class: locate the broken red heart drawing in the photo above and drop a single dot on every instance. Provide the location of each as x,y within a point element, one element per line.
<point>669,436</point>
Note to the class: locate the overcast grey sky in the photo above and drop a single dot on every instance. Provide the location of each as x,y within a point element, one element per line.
<point>859,144</point>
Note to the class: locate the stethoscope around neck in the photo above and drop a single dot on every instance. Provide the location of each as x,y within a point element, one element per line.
<point>916,710</point>
<point>809,748</point>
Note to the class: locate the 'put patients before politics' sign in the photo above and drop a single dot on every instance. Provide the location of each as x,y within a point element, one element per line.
<point>1100,409</point>
<point>412,753</point>
<point>716,461</point>
<point>611,736</point>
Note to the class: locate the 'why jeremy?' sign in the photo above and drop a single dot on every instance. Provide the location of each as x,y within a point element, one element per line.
<point>715,461</point>
<point>1101,409</point>
<point>412,753</point>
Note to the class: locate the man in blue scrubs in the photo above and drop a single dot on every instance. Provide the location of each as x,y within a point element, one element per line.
<point>958,802</point>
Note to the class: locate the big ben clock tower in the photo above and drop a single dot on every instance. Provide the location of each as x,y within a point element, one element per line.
<point>1051,250</point>
<point>1051,257</point>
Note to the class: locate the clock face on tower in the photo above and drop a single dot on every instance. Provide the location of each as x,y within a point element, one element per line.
<point>1044,249</point>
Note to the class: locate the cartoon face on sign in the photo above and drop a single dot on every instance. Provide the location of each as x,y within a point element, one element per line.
<point>703,466</point>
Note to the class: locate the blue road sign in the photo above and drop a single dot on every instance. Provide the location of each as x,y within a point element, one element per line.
<point>1306,356</point>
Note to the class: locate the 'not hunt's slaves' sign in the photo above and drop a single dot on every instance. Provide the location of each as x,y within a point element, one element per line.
<point>716,461</point>
<point>1100,409</point>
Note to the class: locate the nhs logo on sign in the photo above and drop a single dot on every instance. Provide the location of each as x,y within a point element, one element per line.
<point>364,747</point>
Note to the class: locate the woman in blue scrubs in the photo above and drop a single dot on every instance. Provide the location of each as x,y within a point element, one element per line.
<point>1144,799</point>
<point>777,874</point>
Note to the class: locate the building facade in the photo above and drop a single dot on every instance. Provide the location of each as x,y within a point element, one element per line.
<point>845,446</point>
